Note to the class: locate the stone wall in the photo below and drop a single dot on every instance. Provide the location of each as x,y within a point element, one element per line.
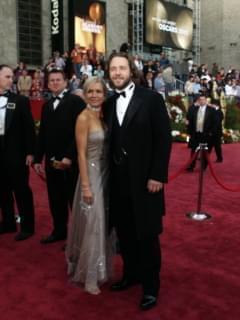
<point>220,32</point>
<point>231,34</point>
<point>8,33</point>
<point>46,31</point>
<point>117,24</point>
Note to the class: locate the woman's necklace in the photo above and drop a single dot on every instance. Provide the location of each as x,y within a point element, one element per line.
<point>95,109</point>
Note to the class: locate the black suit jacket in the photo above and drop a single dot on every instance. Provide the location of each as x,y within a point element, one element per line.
<point>147,141</point>
<point>209,127</point>
<point>56,136</point>
<point>220,117</point>
<point>19,138</point>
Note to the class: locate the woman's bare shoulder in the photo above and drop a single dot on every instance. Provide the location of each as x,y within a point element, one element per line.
<point>83,117</point>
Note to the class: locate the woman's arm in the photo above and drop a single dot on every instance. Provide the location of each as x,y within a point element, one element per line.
<point>81,132</point>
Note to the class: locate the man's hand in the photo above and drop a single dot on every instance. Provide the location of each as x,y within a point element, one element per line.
<point>38,168</point>
<point>154,186</point>
<point>29,160</point>
<point>64,164</point>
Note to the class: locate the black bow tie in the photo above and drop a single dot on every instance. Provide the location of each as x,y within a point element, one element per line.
<point>118,94</point>
<point>4,94</point>
<point>57,98</point>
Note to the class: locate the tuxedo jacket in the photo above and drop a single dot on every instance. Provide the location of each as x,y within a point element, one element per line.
<point>209,126</point>
<point>147,141</point>
<point>19,138</point>
<point>56,136</point>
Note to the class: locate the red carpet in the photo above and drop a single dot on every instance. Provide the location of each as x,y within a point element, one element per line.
<point>200,275</point>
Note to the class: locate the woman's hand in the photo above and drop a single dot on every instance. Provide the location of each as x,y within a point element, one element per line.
<point>87,196</point>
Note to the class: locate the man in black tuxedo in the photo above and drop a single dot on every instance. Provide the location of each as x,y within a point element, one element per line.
<point>17,143</point>
<point>56,141</point>
<point>202,127</point>
<point>140,143</point>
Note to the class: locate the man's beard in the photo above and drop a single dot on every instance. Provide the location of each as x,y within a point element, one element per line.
<point>123,86</point>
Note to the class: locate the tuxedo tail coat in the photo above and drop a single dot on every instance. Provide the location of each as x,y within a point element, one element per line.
<point>147,141</point>
<point>19,138</point>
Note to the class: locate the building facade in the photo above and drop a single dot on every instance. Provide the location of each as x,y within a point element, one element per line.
<point>220,35</point>
<point>26,30</point>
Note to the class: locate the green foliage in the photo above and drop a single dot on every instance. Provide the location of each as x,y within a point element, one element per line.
<point>177,101</point>
<point>231,136</point>
<point>178,126</point>
<point>232,117</point>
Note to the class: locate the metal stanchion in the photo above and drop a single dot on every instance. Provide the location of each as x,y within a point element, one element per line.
<point>199,215</point>
<point>17,218</point>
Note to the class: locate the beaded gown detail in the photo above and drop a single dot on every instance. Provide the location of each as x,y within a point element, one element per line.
<point>86,244</point>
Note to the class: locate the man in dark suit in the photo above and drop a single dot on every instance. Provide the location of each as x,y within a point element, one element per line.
<point>217,139</point>
<point>140,144</point>
<point>56,141</point>
<point>17,143</point>
<point>202,127</point>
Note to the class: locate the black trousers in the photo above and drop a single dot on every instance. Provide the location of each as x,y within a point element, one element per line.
<point>201,138</point>
<point>141,255</point>
<point>217,143</point>
<point>15,180</point>
<point>61,187</point>
<point>7,209</point>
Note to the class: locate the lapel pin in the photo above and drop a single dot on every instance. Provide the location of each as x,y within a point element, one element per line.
<point>11,105</point>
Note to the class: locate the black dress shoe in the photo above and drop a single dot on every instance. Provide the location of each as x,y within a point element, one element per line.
<point>148,302</point>
<point>52,238</point>
<point>124,284</point>
<point>23,236</point>
<point>4,229</point>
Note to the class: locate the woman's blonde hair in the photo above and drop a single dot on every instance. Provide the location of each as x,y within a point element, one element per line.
<point>95,79</point>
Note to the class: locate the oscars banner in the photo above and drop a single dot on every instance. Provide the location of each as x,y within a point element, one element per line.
<point>168,25</point>
<point>90,24</point>
<point>57,25</point>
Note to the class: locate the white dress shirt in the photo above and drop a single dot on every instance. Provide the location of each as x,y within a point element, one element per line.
<point>200,118</point>
<point>123,102</point>
<point>57,101</point>
<point>3,105</point>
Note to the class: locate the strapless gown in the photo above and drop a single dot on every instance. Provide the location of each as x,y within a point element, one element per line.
<point>86,250</point>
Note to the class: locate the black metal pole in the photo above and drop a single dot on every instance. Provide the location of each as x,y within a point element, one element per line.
<point>199,215</point>
<point>200,183</point>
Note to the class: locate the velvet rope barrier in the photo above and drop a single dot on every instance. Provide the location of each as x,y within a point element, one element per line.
<point>199,215</point>
<point>41,176</point>
<point>228,188</point>
<point>183,168</point>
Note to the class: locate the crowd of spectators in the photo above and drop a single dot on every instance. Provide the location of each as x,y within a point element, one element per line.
<point>78,65</point>
<point>160,75</point>
<point>214,82</point>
